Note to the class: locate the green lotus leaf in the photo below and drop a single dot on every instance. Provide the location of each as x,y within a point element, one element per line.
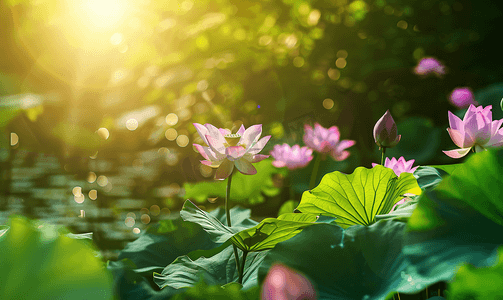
<point>361,262</point>
<point>270,231</point>
<point>358,197</point>
<point>233,290</point>
<point>217,231</point>
<point>428,177</point>
<point>459,221</point>
<point>214,267</point>
<point>478,283</point>
<point>41,262</point>
<point>158,246</point>
<point>244,188</point>
<point>474,185</point>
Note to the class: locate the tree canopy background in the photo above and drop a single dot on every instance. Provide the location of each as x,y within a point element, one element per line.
<point>159,66</point>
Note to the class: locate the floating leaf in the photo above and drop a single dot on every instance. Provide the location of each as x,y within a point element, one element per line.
<point>357,198</point>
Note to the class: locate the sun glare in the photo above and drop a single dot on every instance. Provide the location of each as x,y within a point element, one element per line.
<point>103,14</point>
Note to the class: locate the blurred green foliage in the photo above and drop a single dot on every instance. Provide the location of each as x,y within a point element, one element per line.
<point>255,62</point>
<point>244,188</point>
<point>39,262</point>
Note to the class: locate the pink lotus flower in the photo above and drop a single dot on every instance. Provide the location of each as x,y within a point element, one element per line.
<point>283,283</point>
<point>325,140</point>
<point>224,150</point>
<point>385,132</point>
<point>477,130</point>
<point>398,165</point>
<point>292,158</point>
<point>462,97</point>
<point>404,200</point>
<point>429,65</point>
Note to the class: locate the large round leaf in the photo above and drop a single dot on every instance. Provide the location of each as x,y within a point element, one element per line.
<point>361,262</point>
<point>215,267</point>
<point>461,220</point>
<point>358,197</point>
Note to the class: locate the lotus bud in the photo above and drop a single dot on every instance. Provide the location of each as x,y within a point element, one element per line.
<point>385,132</point>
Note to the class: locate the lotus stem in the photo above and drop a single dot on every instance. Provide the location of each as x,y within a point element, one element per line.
<point>227,200</point>
<point>382,156</point>
<point>242,270</point>
<point>228,215</point>
<point>317,161</point>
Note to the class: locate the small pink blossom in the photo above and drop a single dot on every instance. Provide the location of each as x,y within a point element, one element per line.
<point>291,157</point>
<point>477,130</point>
<point>462,97</point>
<point>429,65</point>
<point>404,200</point>
<point>385,132</point>
<point>283,283</point>
<point>325,140</point>
<point>224,151</point>
<point>398,165</point>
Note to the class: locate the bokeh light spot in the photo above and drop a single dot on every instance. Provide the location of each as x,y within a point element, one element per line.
<point>165,211</point>
<point>205,170</point>
<point>182,140</point>
<point>342,54</point>
<point>136,230</point>
<point>171,134</point>
<point>132,124</point>
<point>77,191</point>
<point>298,61</point>
<point>129,222</point>
<point>328,103</point>
<point>333,74</point>
<point>402,24</point>
<point>91,177</point>
<point>102,180</point>
<point>145,219</point>
<point>93,194</point>
<point>171,119</point>
<point>79,199</point>
<point>103,133</point>
<point>155,210</point>
<point>340,63</point>
<point>14,139</point>
<point>313,17</point>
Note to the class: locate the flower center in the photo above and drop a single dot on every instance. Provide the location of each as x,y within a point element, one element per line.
<point>232,139</point>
